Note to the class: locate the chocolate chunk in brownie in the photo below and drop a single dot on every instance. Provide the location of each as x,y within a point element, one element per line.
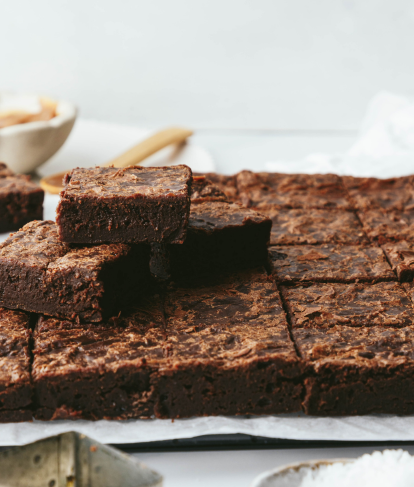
<point>130,205</point>
<point>361,304</point>
<point>15,385</point>
<point>388,227</point>
<point>221,236</point>
<point>262,190</point>
<point>227,184</point>
<point>297,227</point>
<point>99,371</point>
<point>401,257</point>
<point>21,200</point>
<point>340,263</point>
<point>354,371</point>
<point>40,273</point>
<point>229,350</point>
<point>381,194</point>
<point>202,190</point>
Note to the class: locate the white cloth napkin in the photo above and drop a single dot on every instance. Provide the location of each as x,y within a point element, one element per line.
<point>384,147</point>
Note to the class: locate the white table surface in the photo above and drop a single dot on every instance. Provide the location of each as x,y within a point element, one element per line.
<point>231,152</point>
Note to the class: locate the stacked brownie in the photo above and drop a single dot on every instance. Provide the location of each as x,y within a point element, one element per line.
<point>279,293</point>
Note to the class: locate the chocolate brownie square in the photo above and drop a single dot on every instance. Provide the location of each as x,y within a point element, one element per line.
<point>392,226</point>
<point>381,194</point>
<point>401,257</point>
<point>297,227</point>
<point>130,205</point>
<point>360,304</point>
<point>15,384</point>
<point>355,371</point>
<point>102,371</point>
<point>229,350</point>
<point>21,200</point>
<point>221,236</point>
<point>226,184</point>
<point>40,273</point>
<point>321,263</point>
<point>263,190</point>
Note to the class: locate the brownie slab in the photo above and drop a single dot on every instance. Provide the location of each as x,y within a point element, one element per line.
<point>221,236</point>
<point>15,384</point>
<point>263,190</point>
<point>40,273</point>
<point>226,184</point>
<point>21,200</point>
<point>229,350</point>
<point>329,262</point>
<point>386,227</point>
<point>401,257</point>
<point>359,305</point>
<point>381,194</point>
<point>130,205</point>
<point>354,371</point>
<point>297,227</point>
<point>103,371</point>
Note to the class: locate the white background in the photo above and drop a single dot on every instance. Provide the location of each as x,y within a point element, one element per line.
<point>281,64</point>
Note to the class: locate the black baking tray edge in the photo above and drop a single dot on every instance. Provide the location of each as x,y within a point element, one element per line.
<point>244,442</point>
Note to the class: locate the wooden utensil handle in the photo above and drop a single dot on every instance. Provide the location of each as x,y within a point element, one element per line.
<point>151,145</point>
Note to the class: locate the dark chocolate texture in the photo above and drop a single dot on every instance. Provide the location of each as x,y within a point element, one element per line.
<point>263,190</point>
<point>227,184</point>
<point>130,205</point>
<point>15,384</point>
<point>401,257</point>
<point>229,350</point>
<point>41,274</point>
<point>321,263</point>
<point>386,227</point>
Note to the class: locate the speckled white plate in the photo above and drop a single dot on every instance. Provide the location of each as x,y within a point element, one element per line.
<point>292,475</point>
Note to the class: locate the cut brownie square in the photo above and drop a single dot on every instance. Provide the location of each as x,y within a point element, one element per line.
<point>381,194</point>
<point>221,236</point>
<point>227,184</point>
<point>401,257</point>
<point>388,227</point>
<point>100,371</point>
<point>297,227</point>
<point>327,305</point>
<point>354,371</point>
<point>229,350</point>
<point>15,385</point>
<point>41,274</point>
<point>340,263</point>
<point>21,200</point>
<point>262,190</point>
<point>130,205</point>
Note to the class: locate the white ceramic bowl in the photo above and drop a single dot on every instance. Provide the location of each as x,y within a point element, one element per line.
<point>26,146</point>
<point>292,475</point>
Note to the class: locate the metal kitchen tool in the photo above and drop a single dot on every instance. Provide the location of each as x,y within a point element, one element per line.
<point>72,460</point>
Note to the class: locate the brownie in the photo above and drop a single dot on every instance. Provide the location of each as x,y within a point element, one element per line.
<point>229,350</point>
<point>401,257</point>
<point>227,184</point>
<point>392,226</point>
<point>329,262</point>
<point>221,236</point>
<point>40,273</point>
<point>381,194</point>
<point>15,385</point>
<point>360,305</point>
<point>262,190</point>
<point>354,371</point>
<point>103,371</point>
<point>129,205</point>
<point>202,190</point>
<point>297,227</point>
<point>21,200</point>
